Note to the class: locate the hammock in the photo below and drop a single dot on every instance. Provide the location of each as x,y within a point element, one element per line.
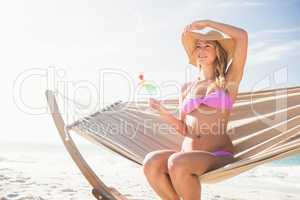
<point>263,126</point>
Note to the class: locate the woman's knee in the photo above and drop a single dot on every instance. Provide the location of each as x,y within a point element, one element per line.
<point>179,165</point>
<point>176,165</point>
<point>151,163</point>
<point>155,162</point>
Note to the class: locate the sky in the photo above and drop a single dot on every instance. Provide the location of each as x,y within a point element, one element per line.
<point>95,51</point>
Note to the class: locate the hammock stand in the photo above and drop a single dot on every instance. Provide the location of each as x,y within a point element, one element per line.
<point>252,151</point>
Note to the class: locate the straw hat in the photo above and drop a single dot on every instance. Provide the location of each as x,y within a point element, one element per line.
<point>189,40</point>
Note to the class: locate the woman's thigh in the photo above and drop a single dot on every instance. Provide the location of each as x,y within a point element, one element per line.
<point>158,160</point>
<point>196,162</point>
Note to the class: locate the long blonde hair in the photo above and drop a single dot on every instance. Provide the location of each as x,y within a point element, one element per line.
<point>220,63</point>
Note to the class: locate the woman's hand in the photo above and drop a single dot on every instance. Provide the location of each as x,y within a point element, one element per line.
<point>168,117</point>
<point>196,25</point>
<point>155,104</point>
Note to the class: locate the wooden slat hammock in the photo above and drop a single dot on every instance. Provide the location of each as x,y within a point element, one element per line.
<point>263,126</point>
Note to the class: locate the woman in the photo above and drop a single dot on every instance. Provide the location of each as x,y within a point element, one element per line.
<point>205,106</point>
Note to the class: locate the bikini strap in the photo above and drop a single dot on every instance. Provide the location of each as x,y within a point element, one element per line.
<point>188,89</point>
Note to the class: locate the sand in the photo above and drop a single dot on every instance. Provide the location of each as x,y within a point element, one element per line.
<point>46,171</point>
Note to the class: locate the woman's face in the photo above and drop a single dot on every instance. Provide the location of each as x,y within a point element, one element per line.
<point>205,52</point>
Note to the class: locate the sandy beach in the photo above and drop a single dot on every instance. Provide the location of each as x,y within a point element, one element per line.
<point>32,171</point>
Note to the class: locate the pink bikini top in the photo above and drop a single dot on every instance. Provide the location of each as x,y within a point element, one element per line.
<point>217,99</point>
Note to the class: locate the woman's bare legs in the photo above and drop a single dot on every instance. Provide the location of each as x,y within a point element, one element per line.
<point>155,166</point>
<point>185,167</point>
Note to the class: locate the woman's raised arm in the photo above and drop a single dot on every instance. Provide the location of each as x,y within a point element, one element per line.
<point>235,71</point>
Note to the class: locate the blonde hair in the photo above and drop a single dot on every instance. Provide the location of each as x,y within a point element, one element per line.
<point>220,63</point>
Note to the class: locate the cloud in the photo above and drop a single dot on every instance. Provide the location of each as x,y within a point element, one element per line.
<point>285,30</point>
<point>241,4</point>
<point>279,31</point>
<point>273,44</point>
<point>263,52</point>
<point>255,3</point>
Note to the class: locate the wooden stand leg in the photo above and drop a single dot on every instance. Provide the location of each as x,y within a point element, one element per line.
<point>100,191</point>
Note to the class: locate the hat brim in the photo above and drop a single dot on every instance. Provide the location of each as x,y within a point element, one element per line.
<point>189,42</point>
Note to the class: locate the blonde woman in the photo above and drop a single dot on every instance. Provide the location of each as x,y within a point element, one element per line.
<point>205,105</point>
